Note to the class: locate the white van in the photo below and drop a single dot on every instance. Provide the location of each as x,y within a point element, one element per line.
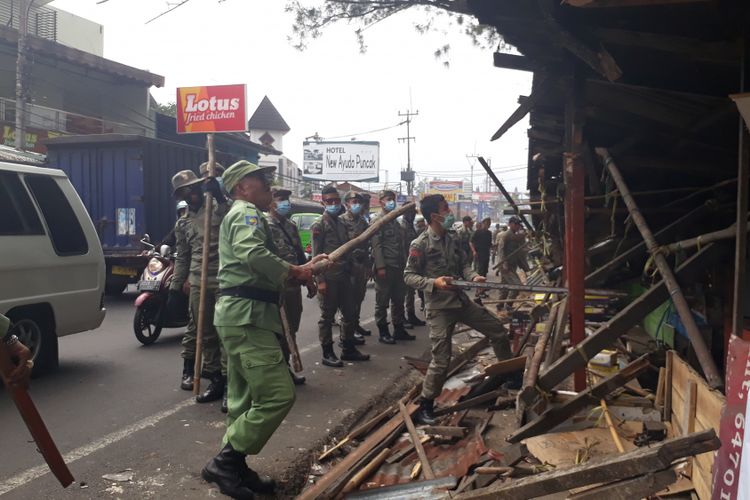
<point>51,262</point>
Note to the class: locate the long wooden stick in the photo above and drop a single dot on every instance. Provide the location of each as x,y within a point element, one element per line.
<point>366,471</point>
<point>505,192</point>
<point>34,422</point>
<point>611,426</point>
<point>678,298</point>
<point>428,473</point>
<point>291,344</point>
<point>209,209</point>
<point>704,239</point>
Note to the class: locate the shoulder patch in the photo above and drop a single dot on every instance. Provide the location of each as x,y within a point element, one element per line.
<point>251,220</point>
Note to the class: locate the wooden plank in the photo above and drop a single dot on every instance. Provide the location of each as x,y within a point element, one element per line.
<point>511,365</point>
<point>621,322</point>
<point>667,414</point>
<point>512,61</point>
<point>688,412</point>
<point>556,415</point>
<point>628,489</point>
<point>522,110</point>
<point>659,401</point>
<point>406,416</point>
<point>366,471</point>
<point>634,463</point>
<point>344,467</point>
<point>445,430</point>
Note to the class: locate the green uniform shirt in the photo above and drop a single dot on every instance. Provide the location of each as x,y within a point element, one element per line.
<point>464,237</point>
<point>182,251</point>
<point>388,246</point>
<point>432,256</point>
<point>247,257</point>
<point>508,243</point>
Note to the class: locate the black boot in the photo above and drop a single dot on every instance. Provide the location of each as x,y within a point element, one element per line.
<point>262,485</point>
<point>358,340</point>
<point>400,334</point>
<point>350,353</point>
<point>362,331</point>
<point>329,357</point>
<point>224,401</point>
<point>425,415</point>
<point>385,335</point>
<point>412,318</point>
<point>188,371</point>
<point>297,379</point>
<point>226,470</point>
<point>214,391</point>
<point>408,325</point>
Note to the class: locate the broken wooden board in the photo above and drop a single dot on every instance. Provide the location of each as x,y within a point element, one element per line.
<point>709,404</point>
<point>627,465</point>
<point>628,489</point>
<point>556,415</point>
<point>511,365</point>
<point>560,448</point>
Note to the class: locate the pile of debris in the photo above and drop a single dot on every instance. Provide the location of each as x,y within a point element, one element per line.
<point>616,438</point>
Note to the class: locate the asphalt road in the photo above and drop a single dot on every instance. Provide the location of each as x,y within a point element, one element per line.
<point>116,406</point>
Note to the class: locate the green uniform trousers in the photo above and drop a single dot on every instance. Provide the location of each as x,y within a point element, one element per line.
<point>188,338</point>
<point>442,322</point>
<point>390,290</point>
<point>409,302</point>
<point>338,296</point>
<point>359,289</point>
<point>213,355</point>
<point>260,391</point>
<point>511,278</point>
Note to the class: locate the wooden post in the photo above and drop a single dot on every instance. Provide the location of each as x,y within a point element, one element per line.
<point>678,298</point>
<point>209,209</point>
<point>428,473</point>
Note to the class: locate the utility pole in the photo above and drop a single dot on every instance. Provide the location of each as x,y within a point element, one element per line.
<point>21,63</point>
<point>409,175</point>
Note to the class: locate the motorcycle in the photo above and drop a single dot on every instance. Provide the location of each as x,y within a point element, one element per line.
<point>151,314</point>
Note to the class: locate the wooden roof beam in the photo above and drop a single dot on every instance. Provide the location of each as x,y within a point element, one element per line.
<point>522,110</point>
<point>513,61</point>
<point>627,3</point>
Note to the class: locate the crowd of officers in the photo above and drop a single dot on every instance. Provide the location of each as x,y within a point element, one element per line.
<point>257,269</point>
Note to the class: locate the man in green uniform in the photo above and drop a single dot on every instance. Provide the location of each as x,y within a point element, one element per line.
<point>334,286</point>
<point>511,257</point>
<point>388,254</point>
<point>410,234</point>
<point>355,225</point>
<point>289,247</point>
<point>435,259</point>
<point>251,279</point>
<point>188,187</point>
<point>464,236</point>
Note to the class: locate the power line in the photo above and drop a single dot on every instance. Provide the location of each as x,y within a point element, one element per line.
<point>358,133</point>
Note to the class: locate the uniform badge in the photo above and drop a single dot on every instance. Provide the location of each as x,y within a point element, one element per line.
<point>251,220</point>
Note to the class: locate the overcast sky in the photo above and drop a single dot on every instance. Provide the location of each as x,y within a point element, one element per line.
<point>331,88</point>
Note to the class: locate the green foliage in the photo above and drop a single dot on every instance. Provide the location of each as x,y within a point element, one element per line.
<point>312,17</point>
<point>169,109</point>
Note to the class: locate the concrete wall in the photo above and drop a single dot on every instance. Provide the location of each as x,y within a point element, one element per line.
<point>278,138</point>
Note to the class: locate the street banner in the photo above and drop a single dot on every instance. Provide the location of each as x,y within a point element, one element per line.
<point>341,161</point>
<point>731,478</point>
<point>451,190</point>
<point>216,108</point>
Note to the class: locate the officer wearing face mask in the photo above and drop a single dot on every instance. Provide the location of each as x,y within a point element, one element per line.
<point>388,246</point>
<point>356,224</point>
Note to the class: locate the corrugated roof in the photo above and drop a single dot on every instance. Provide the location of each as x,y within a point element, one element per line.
<point>25,157</point>
<point>267,117</point>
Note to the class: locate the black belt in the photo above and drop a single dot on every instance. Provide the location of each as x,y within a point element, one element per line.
<point>252,293</point>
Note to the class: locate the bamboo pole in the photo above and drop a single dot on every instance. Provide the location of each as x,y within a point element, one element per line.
<point>611,425</point>
<point>678,298</point>
<point>703,239</point>
<point>209,208</point>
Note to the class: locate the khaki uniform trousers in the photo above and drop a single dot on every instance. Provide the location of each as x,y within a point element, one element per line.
<point>213,355</point>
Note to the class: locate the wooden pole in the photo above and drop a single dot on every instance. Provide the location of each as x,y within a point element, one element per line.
<point>505,192</point>
<point>704,239</point>
<point>209,209</point>
<point>678,298</point>
<point>611,426</point>
<point>428,473</point>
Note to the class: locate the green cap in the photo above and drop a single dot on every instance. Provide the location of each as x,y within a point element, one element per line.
<point>234,174</point>
<point>4,325</point>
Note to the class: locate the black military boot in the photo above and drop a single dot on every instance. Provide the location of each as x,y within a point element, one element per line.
<point>188,371</point>
<point>251,479</point>
<point>214,391</point>
<point>350,353</point>
<point>425,415</point>
<point>225,401</point>
<point>227,470</point>
<point>298,379</point>
<point>412,318</point>
<point>329,357</point>
<point>385,335</point>
<point>357,339</point>
<point>362,331</point>
<point>400,334</point>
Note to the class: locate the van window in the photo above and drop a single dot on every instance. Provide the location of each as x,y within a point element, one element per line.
<point>19,217</point>
<point>64,229</point>
<point>306,221</point>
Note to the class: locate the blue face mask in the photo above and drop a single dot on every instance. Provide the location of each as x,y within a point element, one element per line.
<point>333,209</point>
<point>355,208</point>
<point>390,205</point>
<point>449,220</point>
<point>283,207</point>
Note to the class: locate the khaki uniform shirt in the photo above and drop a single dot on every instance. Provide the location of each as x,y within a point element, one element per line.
<point>286,238</point>
<point>388,246</point>
<point>410,234</point>
<point>190,247</point>
<point>507,244</point>
<point>329,233</point>
<point>432,256</point>
<point>182,254</point>
<point>247,257</point>
<point>464,238</point>
<point>356,225</point>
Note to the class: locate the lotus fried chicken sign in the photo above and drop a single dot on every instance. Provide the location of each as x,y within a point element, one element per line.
<point>218,108</point>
